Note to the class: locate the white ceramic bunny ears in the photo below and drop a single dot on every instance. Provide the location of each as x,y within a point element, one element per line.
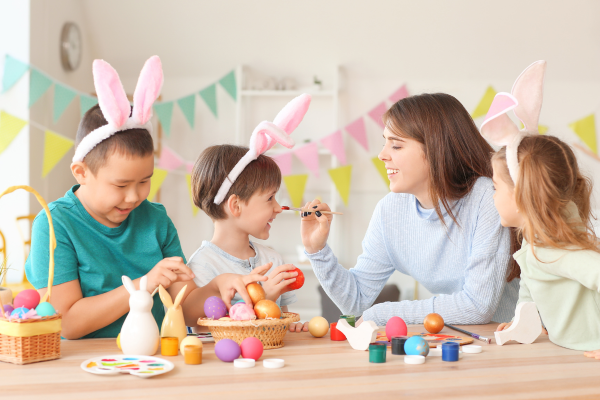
<point>115,105</point>
<point>525,100</point>
<point>265,135</point>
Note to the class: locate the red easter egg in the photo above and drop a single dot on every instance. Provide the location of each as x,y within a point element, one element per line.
<point>395,327</point>
<point>252,348</point>
<point>299,280</point>
<point>28,298</point>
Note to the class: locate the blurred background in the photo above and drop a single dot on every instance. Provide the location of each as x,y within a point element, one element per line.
<point>229,65</point>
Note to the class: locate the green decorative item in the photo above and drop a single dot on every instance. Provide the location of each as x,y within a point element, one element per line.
<point>209,95</point>
<point>38,85</point>
<point>188,107</point>
<point>228,83</point>
<point>63,96</point>
<point>86,102</point>
<point>13,71</point>
<point>164,111</point>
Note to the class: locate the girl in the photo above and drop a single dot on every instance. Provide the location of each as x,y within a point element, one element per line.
<point>541,192</point>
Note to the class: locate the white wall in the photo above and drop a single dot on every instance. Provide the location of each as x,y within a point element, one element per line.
<point>458,47</point>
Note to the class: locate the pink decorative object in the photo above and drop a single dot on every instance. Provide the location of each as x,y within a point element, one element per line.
<point>309,155</point>
<point>169,160</point>
<point>189,166</point>
<point>378,112</point>
<point>241,312</point>
<point>358,131</point>
<point>335,144</point>
<point>284,161</point>
<point>399,94</point>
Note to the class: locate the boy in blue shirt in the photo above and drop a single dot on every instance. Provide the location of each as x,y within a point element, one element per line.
<point>105,227</point>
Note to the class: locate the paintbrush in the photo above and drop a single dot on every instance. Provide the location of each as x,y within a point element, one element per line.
<point>286,208</point>
<point>473,335</point>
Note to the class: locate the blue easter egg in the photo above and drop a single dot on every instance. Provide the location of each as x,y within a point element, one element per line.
<point>416,346</point>
<point>19,312</point>
<point>45,309</point>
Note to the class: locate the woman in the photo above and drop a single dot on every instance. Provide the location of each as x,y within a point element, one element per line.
<point>438,225</point>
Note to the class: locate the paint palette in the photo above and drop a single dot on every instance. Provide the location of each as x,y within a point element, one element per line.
<point>141,366</point>
<point>434,339</point>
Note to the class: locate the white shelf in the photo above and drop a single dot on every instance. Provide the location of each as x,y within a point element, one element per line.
<point>272,93</point>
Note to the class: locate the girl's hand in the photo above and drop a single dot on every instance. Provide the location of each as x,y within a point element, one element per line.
<point>167,271</point>
<point>299,327</point>
<point>591,354</point>
<point>230,284</point>
<point>503,326</point>
<point>279,280</point>
<point>314,228</point>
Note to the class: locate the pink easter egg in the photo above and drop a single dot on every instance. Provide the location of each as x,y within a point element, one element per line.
<point>395,327</point>
<point>252,348</point>
<point>242,312</point>
<point>28,298</point>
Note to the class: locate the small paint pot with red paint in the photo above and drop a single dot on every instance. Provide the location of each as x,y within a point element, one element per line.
<point>334,334</point>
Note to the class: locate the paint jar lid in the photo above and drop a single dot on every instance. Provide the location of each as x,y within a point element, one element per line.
<point>378,347</point>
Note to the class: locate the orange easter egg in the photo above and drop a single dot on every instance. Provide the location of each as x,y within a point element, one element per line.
<point>256,292</point>
<point>434,323</point>
<point>267,309</point>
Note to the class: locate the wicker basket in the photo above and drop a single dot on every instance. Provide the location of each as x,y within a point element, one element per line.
<point>32,340</point>
<point>269,331</point>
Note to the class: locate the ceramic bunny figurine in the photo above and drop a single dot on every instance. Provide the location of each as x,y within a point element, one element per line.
<point>139,334</point>
<point>173,325</point>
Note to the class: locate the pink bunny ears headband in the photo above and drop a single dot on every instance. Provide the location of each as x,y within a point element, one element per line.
<point>265,135</point>
<point>115,105</point>
<point>525,100</point>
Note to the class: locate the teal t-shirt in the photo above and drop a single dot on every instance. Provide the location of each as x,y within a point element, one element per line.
<point>97,255</point>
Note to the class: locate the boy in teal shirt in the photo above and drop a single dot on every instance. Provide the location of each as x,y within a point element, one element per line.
<point>105,227</point>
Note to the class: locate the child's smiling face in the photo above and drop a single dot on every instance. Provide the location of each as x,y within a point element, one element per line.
<point>257,215</point>
<point>116,189</point>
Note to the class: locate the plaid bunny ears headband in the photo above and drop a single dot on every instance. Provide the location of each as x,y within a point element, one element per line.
<point>525,99</point>
<point>265,135</point>
<point>115,105</point>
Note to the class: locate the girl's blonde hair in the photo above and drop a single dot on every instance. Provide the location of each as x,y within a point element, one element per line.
<point>549,178</point>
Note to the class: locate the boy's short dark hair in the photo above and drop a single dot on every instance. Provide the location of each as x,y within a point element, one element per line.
<point>130,142</point>
<point>213,166</point>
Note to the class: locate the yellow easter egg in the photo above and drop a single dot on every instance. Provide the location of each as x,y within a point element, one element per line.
<point>119,341</point>
<point>190,341</point>
<point>318,327</point>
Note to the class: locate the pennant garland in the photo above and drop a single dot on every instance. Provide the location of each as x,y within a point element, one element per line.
<point>188,179</point>
<point>358,131</point>
<point>335,144</point>
<point>63,96</point>
<point>284,161</point>
<point>13,71</point>
<point>169,160</point>
<point>341,178</point>
<point>380,165</point>
<point>189,167</point>
<point>10,126</point>
<point>38,85</point>
<point>209,95</point>
<point>399,94</point>
<point>188,107</point>
<point>295,185</point>
<point>164,112</point>
<point>585,128</point>
<point>377,113</point>
<point>228,83</point>
<point>485,103</point>
<point>85,103</point>
<point>55,147</point>
<point>156,182</point>
<point>309,155</point>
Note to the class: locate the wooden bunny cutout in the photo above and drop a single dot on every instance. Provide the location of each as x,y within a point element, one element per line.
<point>173,325</point>
<point>139,334</point>
<point>526,327</point>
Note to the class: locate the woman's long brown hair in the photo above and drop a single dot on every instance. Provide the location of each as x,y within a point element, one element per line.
<point>455,150</point>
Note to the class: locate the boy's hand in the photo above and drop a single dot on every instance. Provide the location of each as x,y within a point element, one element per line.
<point>230,284</point>
<point>503,326</point>
<point>593,354</point>
<point>278,282</point>
<point>167,271</point>
<point>299,327</point>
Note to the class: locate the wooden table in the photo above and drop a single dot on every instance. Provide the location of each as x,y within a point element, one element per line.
<point>319,368</point>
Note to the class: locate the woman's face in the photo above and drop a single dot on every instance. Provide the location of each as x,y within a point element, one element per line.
<point>407,167</point>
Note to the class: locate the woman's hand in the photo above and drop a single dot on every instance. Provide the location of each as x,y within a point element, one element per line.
<point>314,228</point>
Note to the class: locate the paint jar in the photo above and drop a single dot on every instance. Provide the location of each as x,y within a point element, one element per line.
<point>169,346</point>
<point>377,353</point>
<point>450,351</point>
<point>398,345</point>
<point>351,319</point>
<point>192,354</point>
<point>334,334</point>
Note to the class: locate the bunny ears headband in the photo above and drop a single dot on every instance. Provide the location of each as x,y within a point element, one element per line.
<point>115,105</point>
<point>525,99</point>
<point>265,135</point>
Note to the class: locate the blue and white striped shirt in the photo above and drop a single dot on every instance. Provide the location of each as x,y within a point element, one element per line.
<point>466,265</point>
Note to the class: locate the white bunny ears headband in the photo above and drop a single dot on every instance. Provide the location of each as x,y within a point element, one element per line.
<point>115,105</point>
<point>525,100</point>
<point>265,135</point>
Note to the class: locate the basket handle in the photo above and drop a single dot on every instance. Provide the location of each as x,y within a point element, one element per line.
<point>52,237</point>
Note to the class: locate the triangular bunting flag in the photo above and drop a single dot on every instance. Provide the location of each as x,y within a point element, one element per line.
<point>399,94</point>
<point>209,95</point>
<point>55,148</point>
<point>13,71</point>
<point>10,126</point>
<point>284,160</point>
<point>309,155</point>
<point>189,166</point>
<point>164,112</point>
<point>542,129</point>
<point>169,160</point>
<point>377,113</point>
<point>188,107</point>
<point>358,131</point>
<point>341,178</point>
<point>335,144</point>
<point>484,104</point>
<point>188,179</point>
<point>585,128</point>
<point>63,96</point>
<point>38,85</point>
<point>229,84</point>
<point>85,103</point>
<point>380,165</point>
<point>295,185</point>
<point>156,182</point>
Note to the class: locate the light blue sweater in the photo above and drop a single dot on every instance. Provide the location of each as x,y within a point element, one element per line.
<point>465,265</point>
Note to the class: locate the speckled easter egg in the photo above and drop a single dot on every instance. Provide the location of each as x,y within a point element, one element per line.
<point>252,348</point>
<point>215,308</point>
<point>242,312</point>
<point>395,327</point>
<point>28,298</point>
<point>45,309</point>
<point>227,350</point>
<point>416,346</point>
